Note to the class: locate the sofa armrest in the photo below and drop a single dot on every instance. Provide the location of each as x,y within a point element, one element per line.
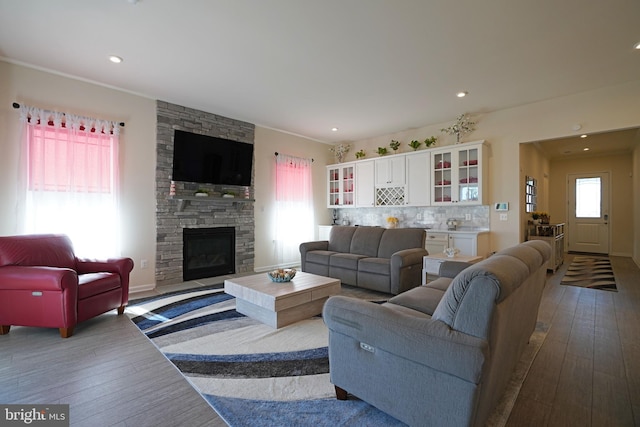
<point>119,266</point>
<point>451,269</point>
<point>405,269</point>
<point>407,257</point>
<point>30,278</point>
<point>422,340</point>
<point>319,245</point>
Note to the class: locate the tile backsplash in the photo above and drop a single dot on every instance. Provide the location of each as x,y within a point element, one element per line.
<point>435,217</point>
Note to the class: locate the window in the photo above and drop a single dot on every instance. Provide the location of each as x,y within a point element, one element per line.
<point>294,207</point>
<point>588,204</point>
<point>71,171</point>
<point>531,194</point>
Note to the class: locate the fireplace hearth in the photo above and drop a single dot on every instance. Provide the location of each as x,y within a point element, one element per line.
<point>208,252</point>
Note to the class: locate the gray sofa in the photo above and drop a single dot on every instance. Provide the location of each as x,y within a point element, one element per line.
<point>440,354</point>
<point>384,260</point>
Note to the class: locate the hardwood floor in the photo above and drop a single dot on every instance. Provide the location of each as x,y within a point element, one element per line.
<point>108,372</point>
<point>587,372</point>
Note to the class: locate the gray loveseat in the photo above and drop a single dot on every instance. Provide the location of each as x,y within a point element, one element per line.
<point>384,260</point>
<point>440,354</point>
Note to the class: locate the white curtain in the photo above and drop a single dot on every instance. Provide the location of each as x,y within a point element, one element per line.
<point>70,177</point>
<point>294,207</point>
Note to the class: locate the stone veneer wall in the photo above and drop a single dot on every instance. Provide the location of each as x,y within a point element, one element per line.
<point>210,212</point>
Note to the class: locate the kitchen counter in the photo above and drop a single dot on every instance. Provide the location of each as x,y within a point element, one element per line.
<point>459,230</point>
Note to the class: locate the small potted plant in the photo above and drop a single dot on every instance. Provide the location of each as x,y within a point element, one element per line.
<point>382,151</point>
<point>415,144</point>
<point>392,222</point>
<point>360,154</point>
<point>201,192</point>
<point>430,141</point>
<point>394,145</point>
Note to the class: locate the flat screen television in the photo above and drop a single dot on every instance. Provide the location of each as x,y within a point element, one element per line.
<point>210,160</point>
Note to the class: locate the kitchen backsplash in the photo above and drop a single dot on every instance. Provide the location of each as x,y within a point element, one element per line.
<point>435,217</point>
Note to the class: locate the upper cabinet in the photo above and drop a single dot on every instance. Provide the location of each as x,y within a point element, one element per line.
<point>341,180</point>
<point>365,186</point>
<point>390,171</point>
<point>390,183</point>
<point>458,174</point>
<point>433,177</point>
<point>418,178</point>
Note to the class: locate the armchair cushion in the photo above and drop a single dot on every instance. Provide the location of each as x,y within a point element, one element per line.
<point>92,284</point>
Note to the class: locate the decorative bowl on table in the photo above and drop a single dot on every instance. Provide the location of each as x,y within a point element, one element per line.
<point>282,274</point>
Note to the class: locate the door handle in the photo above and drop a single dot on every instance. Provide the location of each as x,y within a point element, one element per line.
<point>606,219</point>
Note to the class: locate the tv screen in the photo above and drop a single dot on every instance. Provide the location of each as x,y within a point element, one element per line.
<point>211,160</point>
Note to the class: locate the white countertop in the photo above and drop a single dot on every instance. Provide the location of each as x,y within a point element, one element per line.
<point>470,230</point>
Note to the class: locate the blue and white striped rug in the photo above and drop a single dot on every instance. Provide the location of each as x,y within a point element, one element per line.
<point>251,374</point>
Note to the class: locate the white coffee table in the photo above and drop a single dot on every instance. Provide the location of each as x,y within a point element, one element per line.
<point>280,304</point>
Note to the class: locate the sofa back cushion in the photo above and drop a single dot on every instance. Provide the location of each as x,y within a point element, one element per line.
<point>398,239</point>
<point>468,304</point>
<point>340,238</point>
<point>366,241</point>
<point>48,250</point>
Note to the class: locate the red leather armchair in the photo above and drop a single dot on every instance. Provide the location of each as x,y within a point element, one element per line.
<point>42,283</point>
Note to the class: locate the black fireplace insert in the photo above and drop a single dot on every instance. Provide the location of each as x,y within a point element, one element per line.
<point>208,252</point>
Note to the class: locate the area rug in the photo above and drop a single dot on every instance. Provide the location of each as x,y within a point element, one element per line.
<point>594,272</point>
<point>253,375</point>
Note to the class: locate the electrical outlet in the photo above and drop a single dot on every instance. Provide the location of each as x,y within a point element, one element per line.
<point>503,217</point>
<point>144,263</point>
<point>419,216</point>
<point>467,217</point>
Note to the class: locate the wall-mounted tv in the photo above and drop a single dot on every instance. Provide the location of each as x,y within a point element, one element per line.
<point>210,160</point>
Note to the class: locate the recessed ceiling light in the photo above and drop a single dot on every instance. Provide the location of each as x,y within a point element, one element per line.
<point>585,149</point>
<point>583,136</point>
<point>462,94</point>
<point>334,129</point>
<point>115,59</point>
<point>637,46</point>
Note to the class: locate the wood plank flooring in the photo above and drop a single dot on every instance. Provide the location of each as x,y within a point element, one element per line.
<point>587,372</point>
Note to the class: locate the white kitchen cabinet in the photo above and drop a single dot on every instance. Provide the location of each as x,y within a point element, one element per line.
<point>365,186</point>
<point>458,174</point>
<point>418,166</point>
<point>390,188</point>
<point>469,243</point>
<point>390,171</point>
<point>341,185</point>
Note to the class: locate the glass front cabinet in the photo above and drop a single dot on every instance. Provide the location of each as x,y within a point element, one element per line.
<point>458,175</point>
<point>341,179</point>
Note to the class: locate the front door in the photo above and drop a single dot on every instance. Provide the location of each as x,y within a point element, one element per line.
<point>588,214</point>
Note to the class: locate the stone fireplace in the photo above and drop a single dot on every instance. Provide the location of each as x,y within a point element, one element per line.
<point>182,211</point>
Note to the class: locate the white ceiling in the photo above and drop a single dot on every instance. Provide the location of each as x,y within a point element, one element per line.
<point>368,67</point>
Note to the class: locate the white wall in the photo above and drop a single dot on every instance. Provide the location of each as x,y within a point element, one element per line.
<point>137,150</point>
<point>267,142</point>
<point>599,110</point>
